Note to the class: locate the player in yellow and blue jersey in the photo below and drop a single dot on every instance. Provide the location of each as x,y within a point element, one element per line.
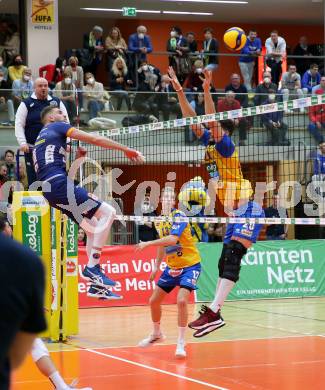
<point>177,245</point>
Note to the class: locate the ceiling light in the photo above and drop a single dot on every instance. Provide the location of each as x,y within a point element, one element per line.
<point>186,13</point>
<point>144,11</point>
<point>209,1</point>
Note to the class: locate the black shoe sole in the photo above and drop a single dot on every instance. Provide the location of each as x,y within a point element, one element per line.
<point>198,335</point>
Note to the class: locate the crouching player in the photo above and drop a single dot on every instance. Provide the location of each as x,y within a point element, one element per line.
<point>183,269</point>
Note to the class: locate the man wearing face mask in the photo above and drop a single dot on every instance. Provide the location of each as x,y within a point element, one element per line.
<point>23,88</point>
<point>262,90</point>
<point>93,95</point>
<point>15,71</point>
<point>273,122</point>
<point>178,46</point>
<point>6,104</point>
<point>66,91</point>
<point>195,78</point>
<point>139,45</point>
<point>28,121</point>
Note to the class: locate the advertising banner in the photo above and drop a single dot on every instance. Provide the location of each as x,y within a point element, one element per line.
<point>270,269</point>
<point>131,270</point>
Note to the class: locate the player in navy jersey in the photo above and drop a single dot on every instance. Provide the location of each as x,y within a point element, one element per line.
<point>238,238</point>
<point>94,216</point>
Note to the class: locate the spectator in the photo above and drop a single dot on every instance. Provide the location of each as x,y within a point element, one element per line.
<point>11,45</point>
<point>198,104</point>
<point>115,46</point>
<point>77,77</point>
<point>145,104</point>
<point>319,163</point>
<point>262,90</point>
<point>5,102</point>
<point>276,232</point>
<point>148,76</point>
<point>28,121</point>
<point>95,44</point>
<point>310,79</point>
<point>195,78</point>
<point>317,120</point>
<point>139,45</point>
<point>3,174</point>
<point>320,86</point>
<point>23,88</point>
<point>5,227</point>
<point>273,122</point>
<point>229,103</point>
<point>9,160</point>
<point>210,50</point>
<point>191,43</point>
<point>275,53</point>
<point>66,92</point>
<point>291,84</point>
<point>21,304</point>
<point>82,238</point>
<point>23,175</point>
<point>3,69</point>
<point>166,99</point>
<point>302,49</point>
<point>120,80</point>
<point>177,45</point>
<point>53,73</point>
<point>250,51</point>
<point>93,95</point>
<point>214,232</point>
<point>147,230</point>
<point>15,71</point>
<point>239,89</point>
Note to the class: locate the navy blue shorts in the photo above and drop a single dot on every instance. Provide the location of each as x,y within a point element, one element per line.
<point>73,201</point>
<point>183,277</point>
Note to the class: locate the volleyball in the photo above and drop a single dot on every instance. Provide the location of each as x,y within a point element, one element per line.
<point>235,38</point>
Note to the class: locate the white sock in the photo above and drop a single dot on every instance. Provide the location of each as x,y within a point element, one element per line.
<point>181,334</point>
<point>94,257</point>
<point>156,328</point>
<point>58,381</point>
<point>225,286</point>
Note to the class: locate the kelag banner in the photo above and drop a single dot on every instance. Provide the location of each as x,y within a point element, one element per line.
<point>270,269</point>
<point>131,270</point>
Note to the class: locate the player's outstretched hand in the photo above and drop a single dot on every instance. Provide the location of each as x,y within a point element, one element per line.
<point>207,79</point>
<point>134,155</point>
<point>173,79</point>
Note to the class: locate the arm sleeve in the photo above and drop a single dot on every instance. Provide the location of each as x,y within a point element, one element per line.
<point>225,146</point>
<point>132,46</point>
<point>20,122</point>
<point>178,227</point>
<point>284,47</point>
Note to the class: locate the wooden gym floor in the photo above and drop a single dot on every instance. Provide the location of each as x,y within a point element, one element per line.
<point>271,345</point>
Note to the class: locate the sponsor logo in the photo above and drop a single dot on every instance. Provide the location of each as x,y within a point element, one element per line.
<point>32,231</point>
<point>175,272</point>
<point>53,103</point>
<point>33,201</point>
<point>72,249</point>
<point>72,267</point>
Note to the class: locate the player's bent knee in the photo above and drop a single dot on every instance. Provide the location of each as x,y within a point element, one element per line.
<point>106,210</point>
<point>39,350</point>
<point>181,302</point>
<point>232,261</point>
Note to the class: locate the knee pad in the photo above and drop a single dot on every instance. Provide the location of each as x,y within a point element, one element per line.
<point>39,350</point>
<point>234,252</point>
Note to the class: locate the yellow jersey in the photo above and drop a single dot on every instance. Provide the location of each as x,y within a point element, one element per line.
<point>184,253</point>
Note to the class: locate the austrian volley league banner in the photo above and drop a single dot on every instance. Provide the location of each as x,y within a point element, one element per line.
<point>131,270</point>
<point>270,269</point>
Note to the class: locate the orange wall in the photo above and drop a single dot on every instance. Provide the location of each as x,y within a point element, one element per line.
<point>159,33</point>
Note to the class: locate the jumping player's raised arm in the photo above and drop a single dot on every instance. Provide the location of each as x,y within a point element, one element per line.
<point>187,109</point>
<point>209,106</point>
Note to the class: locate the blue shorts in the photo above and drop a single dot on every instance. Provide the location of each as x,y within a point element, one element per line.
<point>79,203</point>
<point>183,277</point>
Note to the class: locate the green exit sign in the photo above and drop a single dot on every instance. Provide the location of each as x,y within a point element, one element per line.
<point>128,11</point>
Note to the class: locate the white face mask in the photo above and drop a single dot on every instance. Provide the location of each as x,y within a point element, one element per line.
<point>68,80</point>
<point>26,78</point>
<point>267,80</point>
<point>145,67</point>
<point>91,80</point>
<point>140,35</point>
<point>199,70</point>
<point>1,63</point>
<point>173,34</point>
<point>272,97</point>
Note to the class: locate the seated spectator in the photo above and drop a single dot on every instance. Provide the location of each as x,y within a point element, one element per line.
<point>77,77</point>
<point>317,120</point>
<point>93,95</point>
<point>177,45</point>
<point>9,161</point>
<point>23,175</point>
<point>273,122</point>
<point>139,46</point>
<point>60,65</point>
<point>210,50</point>
<point>166,99</point>
<point>310,79</point>
<point>115,46</point>
<point>23,88</point>
<point>3,174</point>
<point>319,163</point>
<point>195,78</point>
<point>82,238</point>
<point>94,42</point>
<point>262,90</point>
<point>6,104</point>
<point>276,232</point>
<point>198,104</point>
<point>66,92</point>
<point>15,71</point>
<point>276,51</point>
<point>191,43</point>
<point>145,102</point>
<point>291,84</point>
<point>148,76</point>
<point>250,51</point>
<point>320,86</point>
<point>239,89</point>
<point>229,103</point>
<point>3,69</point>
<point>53,73</point>
<point>120,80</point>
<point>302,49</point>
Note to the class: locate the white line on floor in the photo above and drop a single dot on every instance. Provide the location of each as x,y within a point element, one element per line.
<point>206,384</point>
